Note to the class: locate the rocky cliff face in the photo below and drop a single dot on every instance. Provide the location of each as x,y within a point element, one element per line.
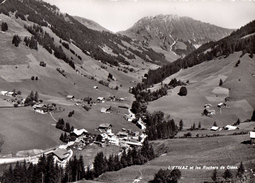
<point>175,33</point>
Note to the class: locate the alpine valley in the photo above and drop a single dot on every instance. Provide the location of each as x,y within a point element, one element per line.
<point>171,99</point>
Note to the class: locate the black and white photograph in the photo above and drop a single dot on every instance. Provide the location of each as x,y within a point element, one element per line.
<point>127,91</point>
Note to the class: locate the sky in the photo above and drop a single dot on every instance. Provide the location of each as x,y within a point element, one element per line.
<point>119,15</point>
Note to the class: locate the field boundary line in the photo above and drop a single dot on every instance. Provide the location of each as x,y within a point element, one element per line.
<point>53,117</point>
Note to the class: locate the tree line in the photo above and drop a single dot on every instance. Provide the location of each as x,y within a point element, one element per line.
<point>44,171</point>
<point>142,93</point>
<point>49,172</point>
<point>159,126</point>
<point>228,175</point>
<point>129,157</point>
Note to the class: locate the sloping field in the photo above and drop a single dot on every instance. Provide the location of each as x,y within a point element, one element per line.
<point>204,88</point>
<point>23,129</point>
<point>217,151</point>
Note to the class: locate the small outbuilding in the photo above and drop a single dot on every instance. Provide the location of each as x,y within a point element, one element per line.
<point>252,137</point>
<point>69,97</point>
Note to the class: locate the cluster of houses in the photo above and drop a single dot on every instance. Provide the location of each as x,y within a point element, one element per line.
<point>227,127</point>
<point>122,138</point>
<point>16,101</point>
<point>209,112</point>
<point>8,93</point>
<point>43,108</point>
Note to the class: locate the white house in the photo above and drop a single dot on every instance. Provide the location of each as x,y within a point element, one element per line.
<point>4,92</point>
<point>69,97</point>
<point>230,127</point>
<point>100,99</point>
<point>252,137</point>
<point>214,128</point>
<point>80,132</point>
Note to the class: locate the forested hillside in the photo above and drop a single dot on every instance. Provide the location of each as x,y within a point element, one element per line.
<point>69,29</point>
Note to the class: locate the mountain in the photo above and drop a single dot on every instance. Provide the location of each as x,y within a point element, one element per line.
<point>90,24</point>
<point>174,33</point>
<point>213,72</point>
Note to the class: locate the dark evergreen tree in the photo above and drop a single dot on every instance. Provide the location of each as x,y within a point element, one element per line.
<point>100,166</point>
<point>4,26</point>
<point>62,137</point>
<point>253,116</point>
<point>135,108</point>
<point>60,124</point>
<point>81,169</point>
<point>214,175</point>
<point>181,125</point>
<point>16,40</point>
<point>240,170</point>
<point>221,82</point>
<point>36,97</point>
<point>214,124</point>
<point>194,126</point>
<point>227,174</point>
<point>123,159</point>
<point>183,91</point>
<point>199,125</point>
<point>68,128</point>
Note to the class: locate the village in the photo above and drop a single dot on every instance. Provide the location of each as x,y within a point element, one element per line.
<point>79,139</point>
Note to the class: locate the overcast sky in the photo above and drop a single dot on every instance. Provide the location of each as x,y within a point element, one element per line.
<point>118,15</point>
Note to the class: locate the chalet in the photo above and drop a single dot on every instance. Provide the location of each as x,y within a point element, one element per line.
<point>252,137</point>
<point>78,133</point>
<point>95,87</point>
<point>207,106</point>
<point>220,105</point>
<point>61,154</point>
<point>10,94</point>
<point>230,127</point>
<point>214,128</point>
<point>121,99</point>
<point>4,92</point>
<point>105,127</point>
<point>208,112</point>
<point>104,110</point>
<point>69,97</point>
<point>40,108</point>
<point>100,99</point>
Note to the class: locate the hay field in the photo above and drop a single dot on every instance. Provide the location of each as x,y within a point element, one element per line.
<point>204,88</point>
<point>23,129</point>
<point>216,151</point>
